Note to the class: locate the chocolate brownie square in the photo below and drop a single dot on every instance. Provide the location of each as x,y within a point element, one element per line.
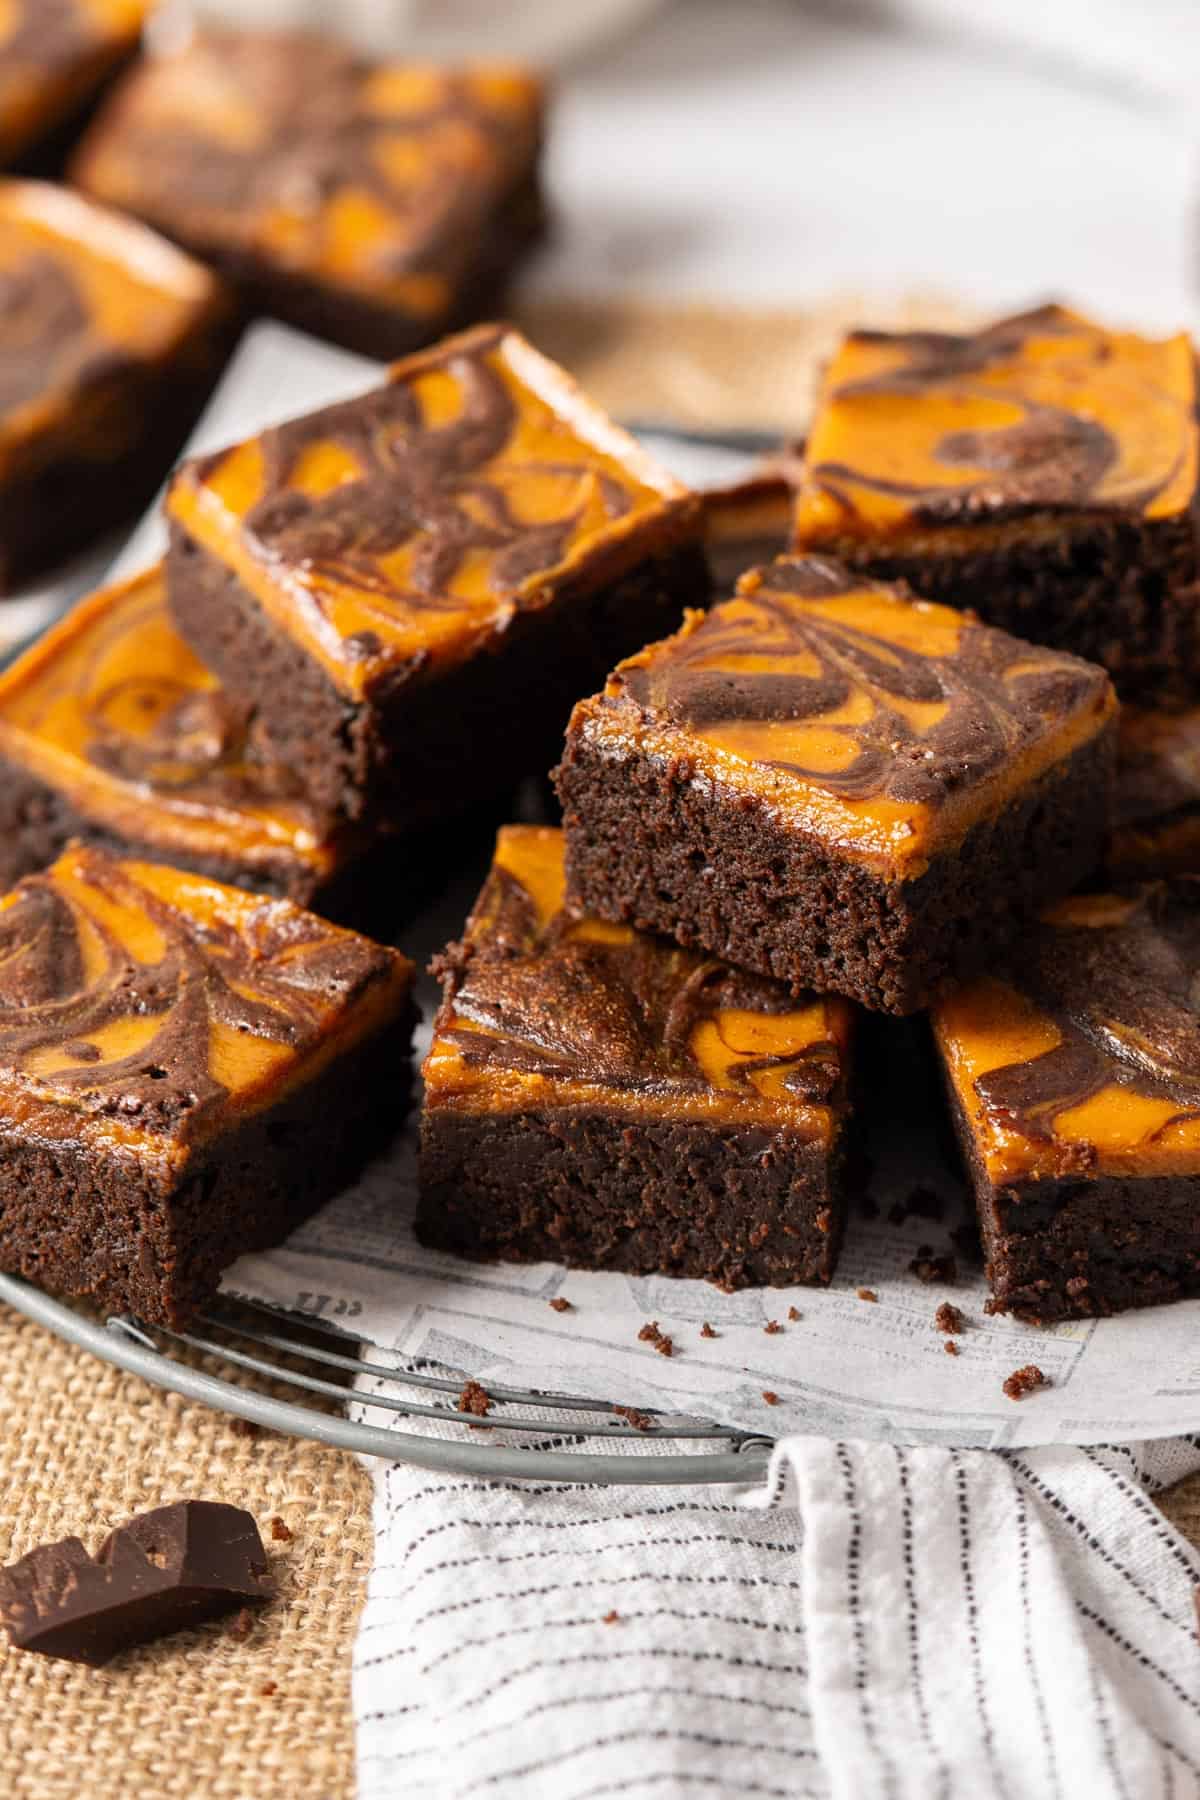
<point>832,783</point>
<point>109,343</point>
<point>186,1071</point>
<point>612,1102</point>
<point>113,731</point>
<point>749,522</point>
<point>55,57</point>
<point>378,204</point>
<point>1156,803</point>
<point>1074,1078</point>
<point>1042,471</point>
<point>413,586</point>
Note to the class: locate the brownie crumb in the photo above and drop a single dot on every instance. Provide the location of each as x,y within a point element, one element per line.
<point>706,1330</point>
<point>772,1327</point>
<point>950,1347</point>
<point>281,1532</point>
<point>867,1294</point>
<point>558,1304</point>
<point>649,1333</point>
<point>992,1306</point>
<point>639,1420</point>
<point>243,1623</point>
<point>268,1688</point>
<point>475,1399</point>
<point>929,1268</point>
<point>664,1345</point>
<point>949,1319</point>
<point>793,1313</point>
<point>1025,1381</point>
<point>770,1398</point>
<point>611,1618</point>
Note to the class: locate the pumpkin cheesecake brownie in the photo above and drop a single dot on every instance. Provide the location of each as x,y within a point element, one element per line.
<point>1043,471</point>
<point>607,1100</point>
<point>829,782</point>
<point>186,1071</point>
<point>1074,1078</point>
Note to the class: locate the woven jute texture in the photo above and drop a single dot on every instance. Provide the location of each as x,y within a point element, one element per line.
<point>83,1447</point>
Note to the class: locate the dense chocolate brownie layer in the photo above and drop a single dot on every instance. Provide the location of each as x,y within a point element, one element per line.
<point>739,1205</point>
<point>102,1227</point>
<point>415,750</point>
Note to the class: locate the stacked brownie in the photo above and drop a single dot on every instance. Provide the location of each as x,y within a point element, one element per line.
<point>876,774</point>
<point>372,620</point>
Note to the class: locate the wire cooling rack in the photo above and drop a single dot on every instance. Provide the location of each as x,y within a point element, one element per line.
<point>322,1368</point>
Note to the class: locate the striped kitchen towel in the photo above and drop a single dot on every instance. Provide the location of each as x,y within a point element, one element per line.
<point>905,1623</point>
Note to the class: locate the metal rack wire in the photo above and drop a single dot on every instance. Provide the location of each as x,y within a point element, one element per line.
<point>343,1381</point>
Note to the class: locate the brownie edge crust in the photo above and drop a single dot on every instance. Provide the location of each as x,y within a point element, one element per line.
<point>740,1206</point>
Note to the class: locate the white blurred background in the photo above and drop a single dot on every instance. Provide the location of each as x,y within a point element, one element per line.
<point>769,151</point>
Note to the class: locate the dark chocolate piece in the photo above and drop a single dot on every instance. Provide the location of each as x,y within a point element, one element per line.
<point>162,1571</point>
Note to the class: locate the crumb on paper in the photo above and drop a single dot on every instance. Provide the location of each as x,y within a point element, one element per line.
<point>867,1294</point>
<point>772,1399</point>
<point>950,1319</point>
<point>649,1333</point>
<point>559,1304</point>
<point>706,1330</point>
<point>950,1347</point>
<point>920,1202</point>
<point>612,1617</point>
<point>1025,1381</point>
<point>772,1327</point>
<point>639,1420</point>
<point>929,1267</point>
<point>268,1688</point>
<point>664,1345</point>
<point>793,1313</point>
<point>281,1532</point>
<point>475,1400</point>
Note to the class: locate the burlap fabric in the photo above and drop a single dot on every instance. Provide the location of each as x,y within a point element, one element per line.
<point>210,1715</point>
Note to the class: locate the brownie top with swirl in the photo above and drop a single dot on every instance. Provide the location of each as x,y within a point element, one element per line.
<point>1084,1057</point>
<point>543,1009</point>
<point>53,53</point>
<point>112,709</point>
<point>83,295</point>
<point>885,725</point>
<point>293,150</point>
<point>408,528</point>
<point>939,437</point>
<point>1156,803</point>
<point>148,1009</point>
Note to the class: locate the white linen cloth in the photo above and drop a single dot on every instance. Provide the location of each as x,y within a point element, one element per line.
<point>921,1624</point>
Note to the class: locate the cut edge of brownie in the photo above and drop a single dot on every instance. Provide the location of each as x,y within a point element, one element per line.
<point>407,741</point>
<point>648,845</point>
<point>129,1242</point>
<point>738,1205</point>
<point>1121,592</point>
<point>1072,1247</point>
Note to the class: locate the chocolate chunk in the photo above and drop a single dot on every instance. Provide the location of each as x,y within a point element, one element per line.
<point>164,1570</point>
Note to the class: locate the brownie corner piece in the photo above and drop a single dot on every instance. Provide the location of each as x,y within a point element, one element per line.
<point>445,562</point>
<point>1044,470</point>
<point>186,1071</point>
<point>831,783</point>
<point>1073,1077</point>
<point>612,1102</point>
